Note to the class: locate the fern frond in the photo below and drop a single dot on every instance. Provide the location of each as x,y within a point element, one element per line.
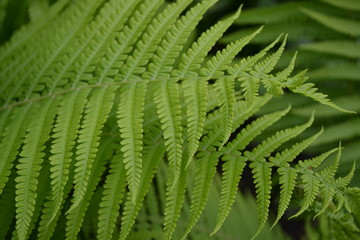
<point>287,183</point>
<point>75,218</point>
<point>262,178</point>
<point>268,64</point>
<point>311,189</point>
<point>270,144</point>
<point>71,22</point>
<point>274,14</point>
<point>205,169</point>
<point>89,44</point>
<point>345,4</point>
<point>246,64</point>
<point>152,157</point>
<point>167,96</point>
<point>49,219</point>
<point>232,171</point>
<point>196,90</point>
<point>136,62</point>
<point>338,24</point>
<point>22,36</point>
<point>113,193</point>
<point>168,109</point>
<point>289,155</point>
<point>30,163</point>
<point>288,175</point>
<point>175,195</point>
<point>252,130</point>
<point>174,40</point>
<point>123,44</point>
<point>340,48</point>
<point>342,71</point>
<point>225,89</point>
<point>11,141</point>
<point>96,113</point>
<point>316,161</point>
<point>130,115</point>
<point>214,68</point>
<point>310,91</point>
<point>65,133</point>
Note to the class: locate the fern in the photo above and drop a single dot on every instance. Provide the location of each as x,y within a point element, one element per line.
<point>115,116</point>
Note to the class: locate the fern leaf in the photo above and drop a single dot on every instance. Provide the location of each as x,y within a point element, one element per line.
<point>175,195</point>
<point>289,155</point>
<point>341,182</point>
<point>250,86</point>
<point>270,144</point>
<point>344,71</point>
<point>309,90</point>
<point>327,193</point>
<point>232,171</point>
<point>345,4</point>
<point>29,167</point>
<point>248,133</point>
<point>152,157</point>
<point>29,77</point>
<point>196,90</point>
<point>348,49</point>
<point>311,189</point>
<point>23,35</point>
<point>284,74</point>
<point>247,63</point>
<point>75,217</point>
<point>167,97</point>
<point>225,88</point>
<point>220,62</point>
<point>78,62</point>
<point>338,24</point>
<point>168,109</point>
<point>174,40</point>
<point>65,132</point>
<point>13,134</point>
<point>114,188</point>
<point>123,44</point>
<point>215,68</point>
<point>287,182</point>
<point>268,64</point>
<point>262,179</point>
<point>345,130</point>
<point>42,192</point>
<point>130,115</point>
<point>330,171</point>
<point>279,13</point>
<point>314,162</point>
<point>96,113</point>
<point>192,59</point>
<point>136,62</point>
<point>48,221</point>
<point>205,169</point>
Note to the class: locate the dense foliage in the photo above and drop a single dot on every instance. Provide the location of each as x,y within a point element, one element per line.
<point>118,121</point>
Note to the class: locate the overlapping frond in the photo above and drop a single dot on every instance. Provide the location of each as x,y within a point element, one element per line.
<point>99,97</point>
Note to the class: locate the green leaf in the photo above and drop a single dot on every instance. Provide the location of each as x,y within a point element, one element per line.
<point>130,119</point>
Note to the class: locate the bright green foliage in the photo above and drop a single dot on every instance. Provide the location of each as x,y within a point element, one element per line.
<point>324,34</point>
<point>114,114</point>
